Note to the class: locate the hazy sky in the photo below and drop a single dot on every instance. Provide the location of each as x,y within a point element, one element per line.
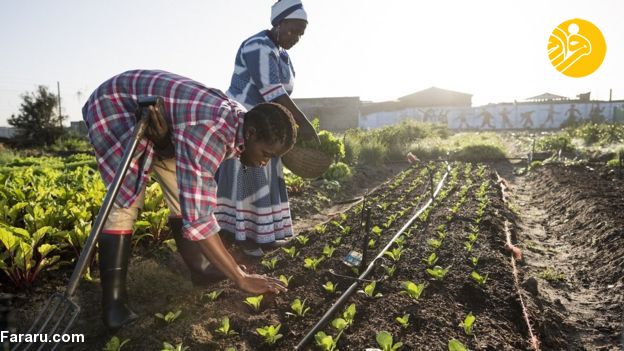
<point>377,50</point>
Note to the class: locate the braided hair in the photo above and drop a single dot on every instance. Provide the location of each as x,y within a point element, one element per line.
<point>273,123</point>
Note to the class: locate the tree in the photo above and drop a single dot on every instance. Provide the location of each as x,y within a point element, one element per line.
<point>38,121</point>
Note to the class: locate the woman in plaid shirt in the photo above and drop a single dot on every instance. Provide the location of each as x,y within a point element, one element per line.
<point>205,128</point>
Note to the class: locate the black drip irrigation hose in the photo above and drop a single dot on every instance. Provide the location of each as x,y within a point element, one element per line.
<point>343,298</point>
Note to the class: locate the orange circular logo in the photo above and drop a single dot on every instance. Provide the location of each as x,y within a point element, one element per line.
<point>576,48</point>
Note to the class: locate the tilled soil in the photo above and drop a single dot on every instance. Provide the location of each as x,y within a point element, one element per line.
<point>578,209</point>
<point>571,230</point>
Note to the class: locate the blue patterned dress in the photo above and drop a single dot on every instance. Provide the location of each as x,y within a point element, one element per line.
<point>252,202</point>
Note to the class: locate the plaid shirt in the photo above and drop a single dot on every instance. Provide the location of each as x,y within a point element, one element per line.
<point>206,129</point>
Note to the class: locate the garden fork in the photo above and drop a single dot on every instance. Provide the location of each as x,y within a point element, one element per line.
<point>59,312</point>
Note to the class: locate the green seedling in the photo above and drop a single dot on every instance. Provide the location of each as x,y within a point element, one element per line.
<point>320,228</point>
<point>336,242</point>
<point>468,323</point>
<point>224,329</point>
<point>114,344</point>
<point>472,237</point>
<point>270,333</point>
<point>369,290</point>
<point>345,230</point>
<point>312,263</point>
<point>169,347</point>
<point>468,245</point>
<point>213,295</point>
<point>474,260</point>
<point>299,308</point>
<point>384,340</point>
<point>371,244</point>
<point>349,314</point>
<point>328,251</point>
<point>325,342</point>
<point>480,279</point>
<point>302,239</point>
<point>390,270</point>
<point>339,324</point>
<point>394,254</point>
<point>254,302</point>
<point>284,279</point>
<point>413,290</point>
<point>403,321</point>
<point>431,260</point>
<point>376,230</point>
<point>437,272</point>
<point>270,264</point>
<point>400,241</point>
<point>169,317</point>
<point>456,345</point>
<point>434,243</point>
<point>330,287</point>
<point>290,251</point>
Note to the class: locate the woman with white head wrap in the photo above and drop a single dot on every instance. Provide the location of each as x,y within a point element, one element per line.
<point>253,202</point>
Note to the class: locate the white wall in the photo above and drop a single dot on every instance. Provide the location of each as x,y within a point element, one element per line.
<point>519,116</point>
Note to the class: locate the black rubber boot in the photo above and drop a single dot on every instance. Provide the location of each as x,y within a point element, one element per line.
<point>203,274</point>
<point>114,253</point>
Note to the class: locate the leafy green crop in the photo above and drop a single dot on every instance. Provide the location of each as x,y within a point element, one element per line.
<point>384,340</point>
<point>468,323</point>
<point>299,308</point>
<point>480,279</point>
<point>270,333</point>
<point>403,321</point>
<point>413,290</point>
<point>114,344</point>
<point>169,317</point>
<point>312,263</point>
<point>330,287</point>
<point>254,302</point>
<point>369,290</point>
<point>224,329</point>
<point>437,272</point>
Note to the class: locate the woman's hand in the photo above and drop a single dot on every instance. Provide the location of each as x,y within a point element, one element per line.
<point>260,284</point>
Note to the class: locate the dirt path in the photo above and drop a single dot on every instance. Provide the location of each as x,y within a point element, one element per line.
<point>559,230</point>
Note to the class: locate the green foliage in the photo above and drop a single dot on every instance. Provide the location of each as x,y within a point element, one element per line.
<point>369,290</point>
<point>302,239</point>
<point>413,290</point>
<point>431,259</point>
<point>330,145</point>
<point>312,263</point>
<point>338,171</point>
<point>284,279</point>
<point>394,254</point>
<point>38,121</point>
<point>213,295</point>
<point>328,251</point>
<point>437,272</point>
<point>299,308</point>
<point>468,323</point>
<point>330,287</point>
<point>456,345</point>
<point>480,279</point>
<point>290,251</point>
<point>270,333</point>
<point>169,317</point>
<point>114,344</point>
<point>403,321</point>
<point>269,264</point>
<point>170,347</point>
<point>254,302</point>
<point>555,142</point>
<point>24,254</point>
<point>325,342</point>
<point>224,329</point>
<point>384,340</point>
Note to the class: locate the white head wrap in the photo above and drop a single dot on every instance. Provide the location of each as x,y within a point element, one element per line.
<point>287,9</point>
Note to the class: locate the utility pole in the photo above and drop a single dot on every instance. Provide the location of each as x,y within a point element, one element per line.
<point>610,94</point>
<point>58,90</point>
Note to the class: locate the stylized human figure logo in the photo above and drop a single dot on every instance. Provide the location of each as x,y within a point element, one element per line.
<point>576,48</point>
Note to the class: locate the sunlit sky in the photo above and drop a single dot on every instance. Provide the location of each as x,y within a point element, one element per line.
<point>377,50</point>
